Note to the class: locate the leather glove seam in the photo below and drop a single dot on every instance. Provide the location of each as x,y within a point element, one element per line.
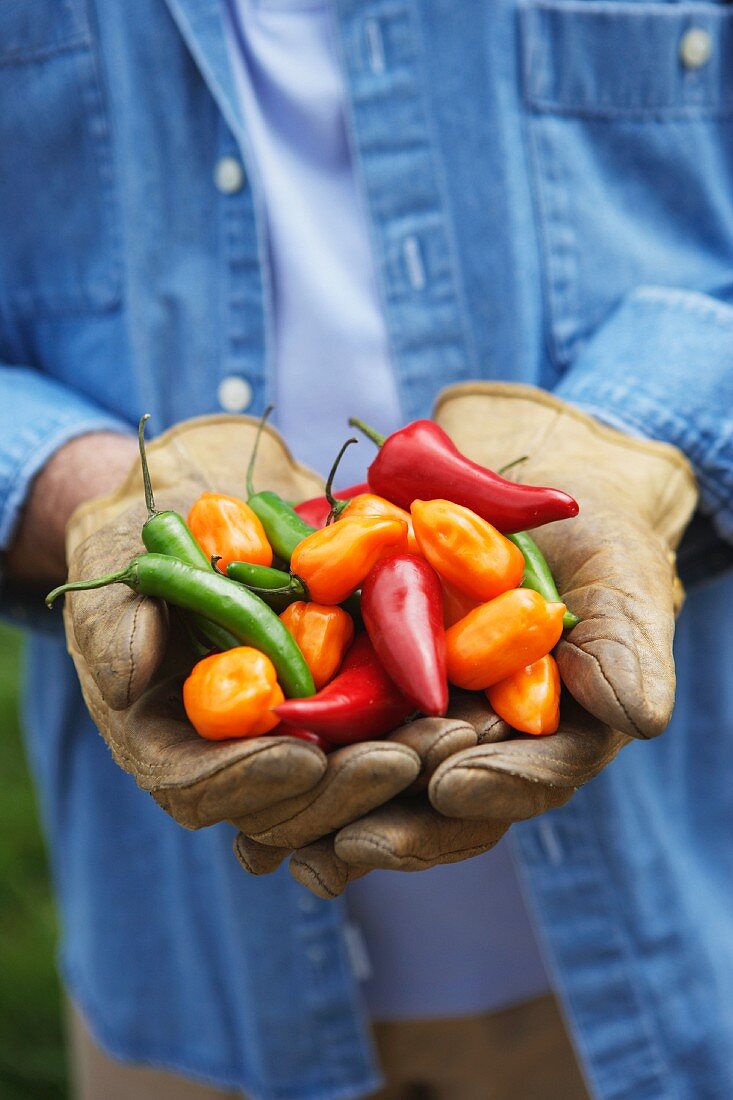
<point>294,861</point>
<point>376,842</point>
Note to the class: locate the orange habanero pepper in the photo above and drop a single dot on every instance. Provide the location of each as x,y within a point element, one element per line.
<point>368,504</point>
<point>228,528</point>
<point>323,634</point>
<point>500,637</point>
<point>232,694</point>
<point>466,550</point>
<point>335,560</point>
<point>529,700</point>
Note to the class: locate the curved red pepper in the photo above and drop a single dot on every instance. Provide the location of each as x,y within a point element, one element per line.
<point>360,703</point>
<point>402,608</point>
<point>316,510</point>
<point>283,730</point>
<point>421,462</point>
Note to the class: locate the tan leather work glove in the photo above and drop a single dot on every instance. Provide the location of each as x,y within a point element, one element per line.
<point>615,567</point>
<point>131,662</point>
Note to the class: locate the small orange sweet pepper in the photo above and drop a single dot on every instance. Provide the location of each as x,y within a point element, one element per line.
<point>232,694</point>
<point>368,504</point>
<point>465,550</point>
<point>335,560</point>
<point>529,700</point>
<point>498,638</point>
<point>226,527</point>
<point>323,633</point>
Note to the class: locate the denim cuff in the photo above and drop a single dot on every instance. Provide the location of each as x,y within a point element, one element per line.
<point>661,367</point>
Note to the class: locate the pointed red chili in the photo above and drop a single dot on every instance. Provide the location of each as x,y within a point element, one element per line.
<point>361,703</point>
<point>402,608</point>
<point>421,462</point>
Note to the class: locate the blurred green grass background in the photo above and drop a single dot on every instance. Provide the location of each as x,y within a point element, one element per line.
<point>32,1062</point>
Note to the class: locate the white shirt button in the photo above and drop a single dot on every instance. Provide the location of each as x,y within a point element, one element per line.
<point>695,48</point>
<point>234,394</point>
<point>229,175</point>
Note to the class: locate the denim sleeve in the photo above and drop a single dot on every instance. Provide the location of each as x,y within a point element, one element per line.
<point>661,366</point>
<point>37,416</point>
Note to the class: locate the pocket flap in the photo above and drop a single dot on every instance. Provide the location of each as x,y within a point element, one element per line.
<point>625,59</point>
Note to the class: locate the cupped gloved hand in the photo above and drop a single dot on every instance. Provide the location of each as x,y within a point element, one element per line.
<point>131,661</point>
<point>479,790</point>
<point>308,824</point>
<point>615,568</point>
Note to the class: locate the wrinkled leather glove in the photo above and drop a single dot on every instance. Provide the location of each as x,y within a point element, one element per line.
<point>615,567</point>
<point>131,661</point>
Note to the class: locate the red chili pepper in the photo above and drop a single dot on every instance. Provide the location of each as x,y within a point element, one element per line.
<point>316,510</point>
<point>421,462</point>
<point>283,730</point>
<point>361,703</point>
<point>402,608</point>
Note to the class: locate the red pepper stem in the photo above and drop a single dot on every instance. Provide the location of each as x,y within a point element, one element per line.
<point>503,469</point>
<point>253,456</point>
<point>337,506</point>
<point>147,484</point>
<point>370,433</point>
<point>122,577</point>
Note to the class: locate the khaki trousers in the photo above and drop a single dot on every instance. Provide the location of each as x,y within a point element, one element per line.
<point>520,1053</point>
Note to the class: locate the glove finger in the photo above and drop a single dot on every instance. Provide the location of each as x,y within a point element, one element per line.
<point>357,778</point>
<point>120,637</point>
<point>619,578</point>
<point>517,779</point>
<point>434,740</point>
<point>410,835</point>
<point>258,859</point>
<point>319,869</point>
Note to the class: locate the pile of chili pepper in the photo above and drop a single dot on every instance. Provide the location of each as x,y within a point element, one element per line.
<point>338,619</point>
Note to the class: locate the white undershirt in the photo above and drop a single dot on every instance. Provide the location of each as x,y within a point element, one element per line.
<point>454,940</point>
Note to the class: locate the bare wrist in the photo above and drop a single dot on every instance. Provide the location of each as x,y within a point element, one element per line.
<point>86,467</point>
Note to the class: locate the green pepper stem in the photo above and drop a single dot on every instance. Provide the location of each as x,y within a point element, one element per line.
<point>569,620</point>
<point>370,433</point>
<point>253,456</point>
<point>147,484</point>
<point>215,559</point>
<point>503,469</point>
<point>337,506</point>
<point>122,577</point>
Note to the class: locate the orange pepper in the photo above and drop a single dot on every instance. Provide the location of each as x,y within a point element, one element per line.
<point>227,527</point>
<point>529,700</point>
<point>466,550</point>
<point>323,634</point>
<point>232,694</point>
<point>500,637</point>
<point>368,504</point>
<point>455,604</point>
<point>334,560</point>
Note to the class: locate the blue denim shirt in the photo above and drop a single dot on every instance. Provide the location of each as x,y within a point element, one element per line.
<point>550,195</point>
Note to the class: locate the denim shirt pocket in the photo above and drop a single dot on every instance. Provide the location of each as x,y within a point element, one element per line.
<point>629,120</point>
<point>58,219</point>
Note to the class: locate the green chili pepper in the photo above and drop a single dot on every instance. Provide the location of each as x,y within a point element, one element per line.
<point>168,533</point>
<point>226,603</point>
<point>537,574</point>
<point>274,586</point>
<point>283,526</point>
